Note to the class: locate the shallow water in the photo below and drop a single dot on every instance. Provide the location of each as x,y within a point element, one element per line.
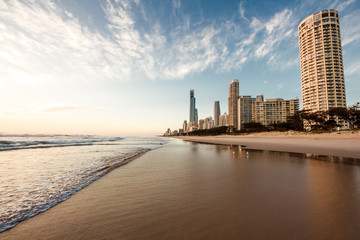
<point>197,191</point>
<point>39,171</point>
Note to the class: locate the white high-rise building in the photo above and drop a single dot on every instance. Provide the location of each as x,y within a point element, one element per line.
<point>322,71</point>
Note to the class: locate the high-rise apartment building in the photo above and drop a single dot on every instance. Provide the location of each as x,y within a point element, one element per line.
<point>274,110</point>
<point>208,123</point>
<point>196,115</point>
<point>322,71</point>
<point>244,110</point>
<point>216,113</point>
<point>233,97</point>
<point>185,126</point>
<point>260,97</point>
<point>201,123</point>
<point>193,126</point>
<point>223,120</point>
<point>192,106</point>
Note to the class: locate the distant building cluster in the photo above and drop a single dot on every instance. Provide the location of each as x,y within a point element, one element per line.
<point>246,109</point>
<point>322,83</point>
<point>242,109</point>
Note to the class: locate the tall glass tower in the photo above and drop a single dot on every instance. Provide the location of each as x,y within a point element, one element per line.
<point>192,107</point>
<point>216,113</point>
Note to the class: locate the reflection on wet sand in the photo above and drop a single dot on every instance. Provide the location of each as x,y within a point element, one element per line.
<point>202,191</point>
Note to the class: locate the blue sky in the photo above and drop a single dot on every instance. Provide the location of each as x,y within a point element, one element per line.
<point>126,67</point>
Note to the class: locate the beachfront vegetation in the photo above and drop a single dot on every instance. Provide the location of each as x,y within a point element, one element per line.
<point>328,120</point>
<point>211,131</point>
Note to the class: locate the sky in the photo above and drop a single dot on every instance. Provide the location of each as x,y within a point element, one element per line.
<point>125,68</point>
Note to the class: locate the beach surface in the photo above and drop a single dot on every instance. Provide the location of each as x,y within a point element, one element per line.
<point>340,144</point>
<point>196,191</point>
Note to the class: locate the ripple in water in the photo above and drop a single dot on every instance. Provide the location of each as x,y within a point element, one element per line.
<point>42,171</point>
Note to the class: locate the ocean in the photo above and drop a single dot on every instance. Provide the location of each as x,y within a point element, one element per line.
<point>39,171</point>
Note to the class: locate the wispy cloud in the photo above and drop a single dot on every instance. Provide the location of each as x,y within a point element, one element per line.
<point>32,111</point>
<point>242,11</point>
<point>176,3</point>
<point>270,39</point>
<point>42,42</point>
<point>64,108</point>
<point>350,32</point>
<point>341,5</point>
<point>353,68</point>
<point>277,29</point>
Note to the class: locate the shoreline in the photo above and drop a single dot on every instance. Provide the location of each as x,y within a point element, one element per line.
<point>193,191</point>
<point>100,173</point>
<point>345,145</point>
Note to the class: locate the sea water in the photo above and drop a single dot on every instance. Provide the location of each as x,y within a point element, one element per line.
<point>39,171</point>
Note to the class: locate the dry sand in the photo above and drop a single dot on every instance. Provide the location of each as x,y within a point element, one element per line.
<point>340,144</point>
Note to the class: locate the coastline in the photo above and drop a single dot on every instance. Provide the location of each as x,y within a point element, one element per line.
<point>193,191</point>
<point>345,144</point>
<point>98,174</point>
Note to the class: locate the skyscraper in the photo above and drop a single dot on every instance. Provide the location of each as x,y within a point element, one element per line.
<point>185,126</point>
<point>322,71</point>
<point>196,115</point>
<point>216,113</point>
<point>192,106</point>
<point>233,96</point>
<point>244,112</point>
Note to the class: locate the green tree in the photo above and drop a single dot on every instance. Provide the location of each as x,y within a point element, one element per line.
<point>254,127</point>
<point>296,122</point>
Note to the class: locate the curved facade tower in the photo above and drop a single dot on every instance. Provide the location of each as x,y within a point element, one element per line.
<point>322,71</point>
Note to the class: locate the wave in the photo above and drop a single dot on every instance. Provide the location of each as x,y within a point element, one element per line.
<point>45,141</point>
<point>11,219</point>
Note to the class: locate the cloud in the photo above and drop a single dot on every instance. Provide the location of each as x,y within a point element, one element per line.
<point>353,68</point>
<point>277,30</point>
<point>271,39</point>
<point>350,32</point>
<point>63,108</point>
<point>242,11</point>
<point>41,42</point>
<point>280,86</point>
<point>176,4</point>
<point>340,6</point>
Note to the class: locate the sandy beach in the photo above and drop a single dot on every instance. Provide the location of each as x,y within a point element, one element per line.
<point>200,191</point>
<point>340,144</point>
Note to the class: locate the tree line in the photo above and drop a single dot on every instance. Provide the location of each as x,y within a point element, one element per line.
<point>326,120</point>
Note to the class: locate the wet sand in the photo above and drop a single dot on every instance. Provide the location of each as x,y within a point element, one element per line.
<point>340,145</point>
<point>196,191</point>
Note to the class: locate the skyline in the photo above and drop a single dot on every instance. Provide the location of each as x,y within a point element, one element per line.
<point>105,68</point>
